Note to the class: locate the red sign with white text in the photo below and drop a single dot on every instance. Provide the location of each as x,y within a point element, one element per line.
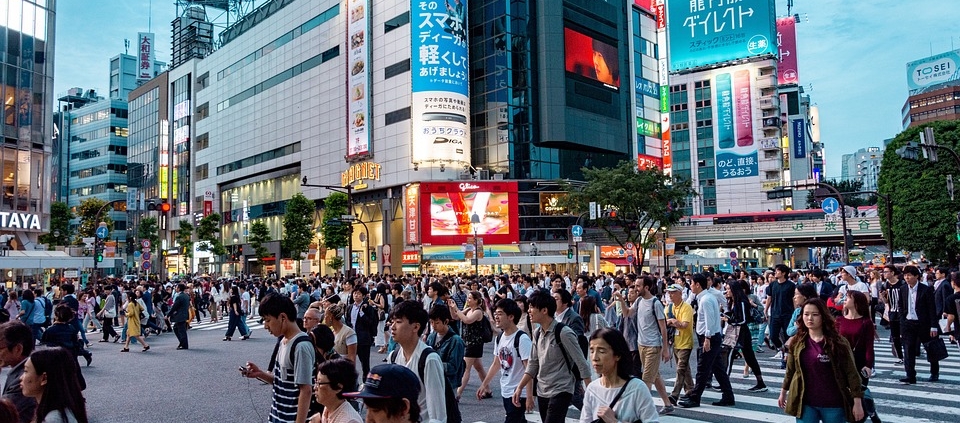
<point>447,210</point>
<point>645,5</point>
<point>661,13</point>
<point>787,69</point>
<point>646,161</point>
<point>411,207</point>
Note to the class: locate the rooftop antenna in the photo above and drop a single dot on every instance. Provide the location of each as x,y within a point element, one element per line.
<point>789,7</point>
<point>126,46</point>
<point>150,16</point>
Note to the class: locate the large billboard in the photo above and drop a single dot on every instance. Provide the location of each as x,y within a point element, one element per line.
<point>736,151</point>
<point>787,69</point>
<point>440,82</point>
<point>704,33</point>
<point>358,79</point>
<point>145,55</point>
<point>447,209</point>
<point>933,70</point>
<point>591,58</point>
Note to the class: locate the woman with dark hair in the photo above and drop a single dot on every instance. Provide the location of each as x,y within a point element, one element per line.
<point>821,383</point>
<point>50,377</point>
<point>235,313</point>
<point>133,323</point>
<point>323,340</point>
<point>592,319</point>
<point>334,378</point>
<point>856,325</point>
<point>63,334</point>
<point>381,299</point>
<point>737,318</point>
<point>471,317</point>
<point>803,293</point>
<point>615,396</point>
<point>8,411</point>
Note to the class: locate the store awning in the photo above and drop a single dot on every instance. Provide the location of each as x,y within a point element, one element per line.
<point>39,259</point>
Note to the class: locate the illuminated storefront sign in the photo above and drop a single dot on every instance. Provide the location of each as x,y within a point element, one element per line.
<point>447,210</point>
<point>411,257</point>
<point>551,203</point>
<point>411,216</point>
<point>366,171</point>
<point>14,220</point>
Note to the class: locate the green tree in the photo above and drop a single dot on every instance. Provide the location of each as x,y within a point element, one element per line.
<point>150,230</point>
<point>298,226</point>
<point>924,218</point>
<point>842,186</point>
<point>638,204</point>
<point>185,241</point>
<point>208,230</point>
<point>336,234</point>
<point>259,235</point>
<point>90,217</point>
<point>59,235</point>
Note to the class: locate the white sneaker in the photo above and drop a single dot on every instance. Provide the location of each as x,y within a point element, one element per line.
<point>779,356</point>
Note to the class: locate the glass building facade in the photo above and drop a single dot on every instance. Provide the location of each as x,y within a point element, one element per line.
<point>26,55</point>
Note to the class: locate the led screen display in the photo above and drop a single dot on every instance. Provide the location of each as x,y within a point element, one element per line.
<point>591,58</point>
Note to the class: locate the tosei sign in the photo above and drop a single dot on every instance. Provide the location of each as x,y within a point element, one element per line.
<point>933,70</point>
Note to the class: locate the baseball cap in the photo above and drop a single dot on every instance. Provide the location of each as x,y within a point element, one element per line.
<point>389,381</point>
<point>674,288</point>
<point>850,270</point>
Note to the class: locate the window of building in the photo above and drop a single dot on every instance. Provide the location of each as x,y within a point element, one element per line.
<point>202,141</point>
<point>202,172</point>
<point>396,22</point>
<point>203,111</point>
<point>397,116</point>
<point>396,69</point>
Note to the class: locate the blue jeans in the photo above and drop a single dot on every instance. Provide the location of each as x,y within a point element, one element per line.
<point>822,414</point>
<point>83,331</point>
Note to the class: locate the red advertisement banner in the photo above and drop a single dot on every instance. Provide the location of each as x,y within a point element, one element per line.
<point>787,69</point>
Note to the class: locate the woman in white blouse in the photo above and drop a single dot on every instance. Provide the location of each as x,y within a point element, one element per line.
<point>616,396</point>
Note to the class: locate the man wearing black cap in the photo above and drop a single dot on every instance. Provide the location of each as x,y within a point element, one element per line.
<point>390,394</point>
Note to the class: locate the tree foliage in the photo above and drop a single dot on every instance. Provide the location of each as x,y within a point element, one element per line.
<point>924,218</point>
<point>208,230</point>
<point>185,241</point>
<point>335,233</point>
<point>259,236</point>
<point>842,186</point>
<point>643,202</point>
<point>59,235</point>
<point>90,217</point>
<point>298,226</point>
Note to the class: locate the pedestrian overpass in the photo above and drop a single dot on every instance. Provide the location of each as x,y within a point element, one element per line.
<point>812,233</point>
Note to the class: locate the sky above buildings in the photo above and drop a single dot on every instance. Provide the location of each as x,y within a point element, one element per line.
<point>852,55</point>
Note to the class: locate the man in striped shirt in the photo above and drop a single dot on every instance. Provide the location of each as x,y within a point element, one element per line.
<point>891,297</point>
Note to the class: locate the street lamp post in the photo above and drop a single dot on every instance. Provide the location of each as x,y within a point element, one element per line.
<point>475,220</point>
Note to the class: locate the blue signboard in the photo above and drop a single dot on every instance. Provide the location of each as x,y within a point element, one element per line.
<point>725,111</point>
<point>702,33</point>
<point>648,88</point>
<point>830,205</point>
<point>102,232</point>
<point>799,138</point>
<point>732,165</point>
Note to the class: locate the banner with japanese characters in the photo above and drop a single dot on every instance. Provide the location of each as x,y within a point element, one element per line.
<point>704,33</point>
<point>736,151</point>
<point>787,68</point>
<point>440,82</point>
<point>358,79</point>
<point>145,54</point>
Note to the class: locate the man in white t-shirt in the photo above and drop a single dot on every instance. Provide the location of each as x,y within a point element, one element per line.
<point>850,282</point>
<point>509,362</point>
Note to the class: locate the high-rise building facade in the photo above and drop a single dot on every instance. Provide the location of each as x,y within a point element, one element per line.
<point>862,166</point>
<point>934,89</point>
<point>27,43</point>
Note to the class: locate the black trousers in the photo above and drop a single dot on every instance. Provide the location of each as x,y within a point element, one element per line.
<point>914,333</point>
<point>709,364</point>
<point>363,354</point>
<point>108,329</point>
<point>745,340</point>
<point>895,335</point>
<point>778,330</point>
<point>554,409</point>
<point>180,329</point>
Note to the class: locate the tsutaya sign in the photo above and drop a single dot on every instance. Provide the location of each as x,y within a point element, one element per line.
<point>13,220</point>
<point>366,171</point>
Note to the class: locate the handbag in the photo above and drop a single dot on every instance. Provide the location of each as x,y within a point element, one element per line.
<point>616,398</point>
<point>730,336</point>
<point>936,349</point>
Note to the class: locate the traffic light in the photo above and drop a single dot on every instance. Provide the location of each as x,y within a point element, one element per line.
<point>164,206</point>
<point>99,257</point>
<point>373,256</point>
<point>569,253</point>
<point>909,151</point>
<point>849,238</point>
<point>958,226</point>
<point>160,205</point>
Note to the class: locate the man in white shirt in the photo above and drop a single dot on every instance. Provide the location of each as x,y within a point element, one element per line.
<point>711,339</point>
<point>409,322</point>
<point>511,353</point>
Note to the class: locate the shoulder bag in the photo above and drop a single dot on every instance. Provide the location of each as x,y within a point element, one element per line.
<point>616,398</point>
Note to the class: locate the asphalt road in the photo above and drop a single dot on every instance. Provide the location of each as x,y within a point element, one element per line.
<point>203,384</point>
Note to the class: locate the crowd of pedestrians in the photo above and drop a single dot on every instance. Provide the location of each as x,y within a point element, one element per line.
<point>595,342</point>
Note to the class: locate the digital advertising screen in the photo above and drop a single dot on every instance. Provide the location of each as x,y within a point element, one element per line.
<point>447,211</point>
<point>591,58</point>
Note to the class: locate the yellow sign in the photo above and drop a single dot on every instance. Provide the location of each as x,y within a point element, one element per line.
<point>366,171</point>
<point>767,186</point>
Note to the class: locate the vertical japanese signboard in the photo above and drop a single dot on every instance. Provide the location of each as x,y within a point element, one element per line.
<point>440,82</point>
<point>724,111</point>
<point>411,215</point>
<point>667,160</point>
<point>736,159</point>
<point>703,33</point>
<point>145,54</point>
<point>787,68</point>
<point>799,138</point>
<point>358,79</point>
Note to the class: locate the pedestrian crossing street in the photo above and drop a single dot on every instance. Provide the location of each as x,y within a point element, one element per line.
<point>223,323</point>
<point>924,402</point>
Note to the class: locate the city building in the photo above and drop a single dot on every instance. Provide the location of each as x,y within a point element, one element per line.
<point>934,89</point>
<point>863,166</point>
<point>28,131</point>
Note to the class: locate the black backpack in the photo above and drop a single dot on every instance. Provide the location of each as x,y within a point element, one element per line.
<point>486,330</point>
<point>516,340</point>
<point>47,310</point>
<point>450,397</point>
<point>315,406</point>
<point>577,400</point>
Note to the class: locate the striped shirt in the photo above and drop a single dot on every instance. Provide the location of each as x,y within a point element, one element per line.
<point>288,377</point>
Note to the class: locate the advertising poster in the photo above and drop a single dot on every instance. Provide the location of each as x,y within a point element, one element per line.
<point>591,58</point>
<point>704,33</point>
<point>647,5</point>
<point>667,154</point>
<point>737,160</point>
<point>145,54</point>
<point>725,111</point>
<point>440,82</point>
<point>787,68</point>
<point>933,70</point>
<point>411,215</point>
<point>447,210</point>
<point>646,161</point>
<point>799,138</point>
<point>358,79</point>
